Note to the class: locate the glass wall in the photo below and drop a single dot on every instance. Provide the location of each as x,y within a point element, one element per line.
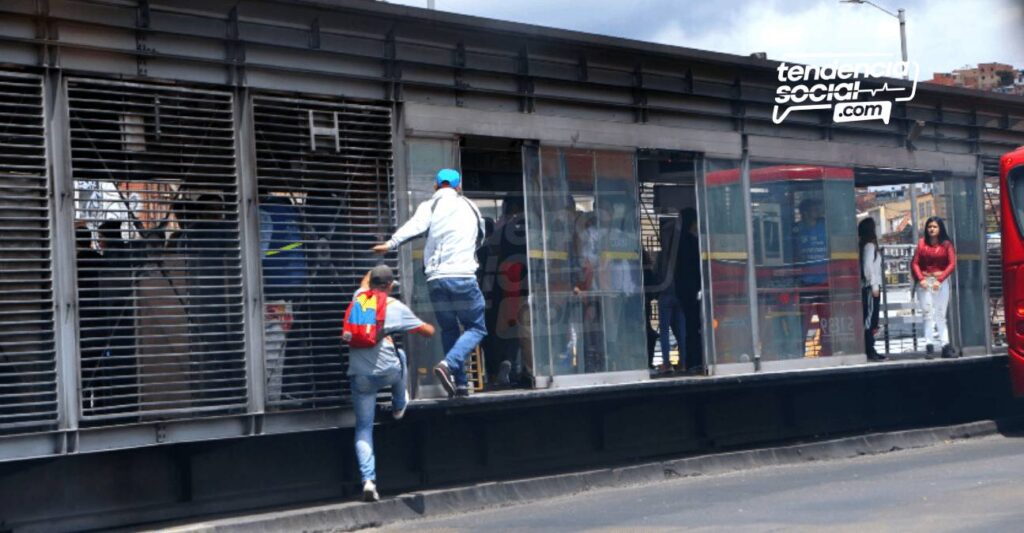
<point>805,252</point>
<point>723,235</point>
<point>425,158</point>
<point>965,228</point>
<point>586,287</point>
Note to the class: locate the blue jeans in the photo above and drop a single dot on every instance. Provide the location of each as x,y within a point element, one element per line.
<point>364,403</point>
<point>670,315</point>
<point>458,302</point>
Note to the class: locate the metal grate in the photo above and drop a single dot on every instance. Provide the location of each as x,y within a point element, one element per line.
<point>158,262</point>
<point>28,378</point>
<point>994,250</point>
<point>324,172</point>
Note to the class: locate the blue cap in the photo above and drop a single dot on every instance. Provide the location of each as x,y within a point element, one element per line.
<point>451,176</point>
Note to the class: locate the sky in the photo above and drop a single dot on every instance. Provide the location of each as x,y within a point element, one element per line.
<point>941,34</point>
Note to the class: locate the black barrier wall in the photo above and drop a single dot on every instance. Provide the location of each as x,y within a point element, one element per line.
<point>448,443</point>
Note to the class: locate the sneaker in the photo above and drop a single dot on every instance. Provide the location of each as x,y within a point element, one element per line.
<point>503,373</point>
<point>444,375</point>
<point>370,491</point>
<point>947,352</point>
<point>929,351</point>
<point>397,414</point>
<point>462,391</point>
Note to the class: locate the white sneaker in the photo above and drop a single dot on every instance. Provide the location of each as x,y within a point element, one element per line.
<point>370,491</point>
<point>397,414</point>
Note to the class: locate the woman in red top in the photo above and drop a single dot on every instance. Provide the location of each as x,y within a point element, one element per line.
<point>933,264</point>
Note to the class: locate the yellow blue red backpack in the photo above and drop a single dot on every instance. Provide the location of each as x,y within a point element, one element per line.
<point>364,319</point>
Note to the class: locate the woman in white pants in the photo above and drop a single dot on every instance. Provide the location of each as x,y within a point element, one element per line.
<point>933,264</point>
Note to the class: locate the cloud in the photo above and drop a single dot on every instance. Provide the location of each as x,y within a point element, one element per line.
<point>941,34</point>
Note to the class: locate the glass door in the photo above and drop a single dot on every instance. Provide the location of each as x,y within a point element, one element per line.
<point>965,227</point>
<point>425,157</point>
<point>725,296</point>
<point>585,269</point>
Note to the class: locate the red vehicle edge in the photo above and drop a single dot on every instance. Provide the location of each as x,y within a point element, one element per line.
<point>1011,179</point>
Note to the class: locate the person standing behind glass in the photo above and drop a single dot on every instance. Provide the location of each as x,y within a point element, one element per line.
<point>933,264</point>
<point>670,310</point>
<point>454,230</point>
<point>871,284</point>
<point>812,242</point>
<point>688,287</point>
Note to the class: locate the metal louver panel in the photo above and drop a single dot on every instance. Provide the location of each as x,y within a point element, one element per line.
<point>994,249</point>
<point>28,377</point>
<point>324,172</point>
<point>158,260</point>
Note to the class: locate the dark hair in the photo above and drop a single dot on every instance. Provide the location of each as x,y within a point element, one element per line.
<point>943,236</point>
<point>687,218</point>
<point>866,233</point>
<point>512,205</point>
<point>381,277</point>
<point>808,203</point>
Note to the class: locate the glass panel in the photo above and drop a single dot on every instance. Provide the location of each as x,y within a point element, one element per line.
<point>724,237</point>
<point>426,157</point>
<point>805,248</point>
<point>620,269</point>
<point>585,268</point>
<point>965,229</point>
<point>535,243</point>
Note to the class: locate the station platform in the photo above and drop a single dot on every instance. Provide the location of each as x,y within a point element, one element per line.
<point>503,435</point>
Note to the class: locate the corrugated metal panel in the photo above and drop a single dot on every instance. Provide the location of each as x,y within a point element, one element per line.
<point>994,249</point>
<point>28,377</point>
<point>159,268</point>
<point>324,172</point>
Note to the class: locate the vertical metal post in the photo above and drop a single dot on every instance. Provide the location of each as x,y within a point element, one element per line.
<point>709,355</point>
<point>885,299</point>
<point>403,200</point>
<point>64,264</point>
<point>252,269</point>
<point>748,214</point>
<point>902,16</point>
<point>914,236</point>
<point>979,202</point>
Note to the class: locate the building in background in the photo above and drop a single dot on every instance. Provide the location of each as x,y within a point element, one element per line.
<point>996,77</point>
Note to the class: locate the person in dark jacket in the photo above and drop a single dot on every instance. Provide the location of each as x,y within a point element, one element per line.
<point>688,287</point>
<point>670,311</point>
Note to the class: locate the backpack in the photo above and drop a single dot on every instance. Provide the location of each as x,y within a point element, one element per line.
<point>364,319</point>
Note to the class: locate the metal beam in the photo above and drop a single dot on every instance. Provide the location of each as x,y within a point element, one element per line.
<point>252,273</point>
<point>64,256</point>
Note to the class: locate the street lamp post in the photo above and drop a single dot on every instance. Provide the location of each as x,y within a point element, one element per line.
<point>900,15</point>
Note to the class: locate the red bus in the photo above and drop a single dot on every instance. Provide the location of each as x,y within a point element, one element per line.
<point>808,287</point>
<point>1011,191</point>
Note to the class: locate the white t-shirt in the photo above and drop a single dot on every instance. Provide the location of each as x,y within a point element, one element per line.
<point>871,266</point>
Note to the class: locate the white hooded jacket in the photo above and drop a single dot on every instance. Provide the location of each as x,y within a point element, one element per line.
<point>454,230</point>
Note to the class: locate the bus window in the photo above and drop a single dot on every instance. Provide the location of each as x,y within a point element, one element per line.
<point>1015,184</point>
<point>806,261</point>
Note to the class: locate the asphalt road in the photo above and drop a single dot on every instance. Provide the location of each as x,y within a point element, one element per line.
<point>961,486</point>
